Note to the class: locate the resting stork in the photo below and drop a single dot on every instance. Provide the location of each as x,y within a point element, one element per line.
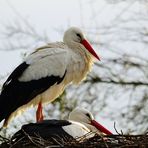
<point>80,123</point>
<point>45,73</point>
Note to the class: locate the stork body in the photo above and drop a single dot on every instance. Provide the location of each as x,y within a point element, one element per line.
<point>79,124</point>
<point>58,129</point>
<point>45,73</point>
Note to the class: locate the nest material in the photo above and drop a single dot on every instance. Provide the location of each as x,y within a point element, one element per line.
<point>23,140</point>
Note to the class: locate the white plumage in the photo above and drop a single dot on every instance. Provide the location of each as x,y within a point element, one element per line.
<point>83,123</point>
<point>50,61</point>
<point>76,129</point>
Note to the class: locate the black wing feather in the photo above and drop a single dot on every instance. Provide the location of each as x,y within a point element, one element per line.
<point>15,74</point>
<point>46,129</point>
<point>15,93</point>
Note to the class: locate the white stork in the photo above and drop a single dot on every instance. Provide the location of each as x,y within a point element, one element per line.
<point>81,123</point>
<point>42,77</point>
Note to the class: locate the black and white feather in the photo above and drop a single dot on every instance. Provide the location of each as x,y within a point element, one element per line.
<point>78,125</point>
<point>44,74</point>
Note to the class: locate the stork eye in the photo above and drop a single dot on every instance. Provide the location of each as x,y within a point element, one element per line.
<point>78,35</point>
<point>88,115</point>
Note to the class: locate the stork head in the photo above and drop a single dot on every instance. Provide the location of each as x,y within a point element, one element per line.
<point>86,118</point>
<point>74,34</point>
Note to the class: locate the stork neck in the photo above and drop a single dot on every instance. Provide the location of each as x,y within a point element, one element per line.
<point>73,45</point>
<point>85,58</point>
<point>79,48</point>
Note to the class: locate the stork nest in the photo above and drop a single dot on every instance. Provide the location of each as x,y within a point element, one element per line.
<point>23,140</point>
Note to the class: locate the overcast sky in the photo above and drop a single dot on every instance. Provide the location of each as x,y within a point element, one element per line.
<point>50,14</point>
<point>44,15</point>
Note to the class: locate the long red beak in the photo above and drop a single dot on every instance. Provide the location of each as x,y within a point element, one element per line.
<point>100,127</point>
<point>89,48</point>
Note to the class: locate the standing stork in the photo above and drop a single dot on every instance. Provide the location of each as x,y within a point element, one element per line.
<point>45,73</point>
<point>80,123</point>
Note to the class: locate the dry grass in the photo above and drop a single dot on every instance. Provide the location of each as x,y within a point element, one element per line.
<point>23,140</point>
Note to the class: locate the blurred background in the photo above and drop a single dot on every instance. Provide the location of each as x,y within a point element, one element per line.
<point>116,90</point>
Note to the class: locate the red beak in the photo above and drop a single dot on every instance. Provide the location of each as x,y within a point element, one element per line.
<point>89,48</point>
<point>100,127</point>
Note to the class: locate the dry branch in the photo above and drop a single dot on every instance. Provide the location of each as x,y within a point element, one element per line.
<point>23,140</point>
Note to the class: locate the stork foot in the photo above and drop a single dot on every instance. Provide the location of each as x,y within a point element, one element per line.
<point>39,113</point>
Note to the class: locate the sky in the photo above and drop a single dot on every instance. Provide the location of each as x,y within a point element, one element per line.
<point>51,15</point>
<point>40,13</point>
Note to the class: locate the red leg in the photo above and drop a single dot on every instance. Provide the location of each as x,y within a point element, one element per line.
<point>39,113</point>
